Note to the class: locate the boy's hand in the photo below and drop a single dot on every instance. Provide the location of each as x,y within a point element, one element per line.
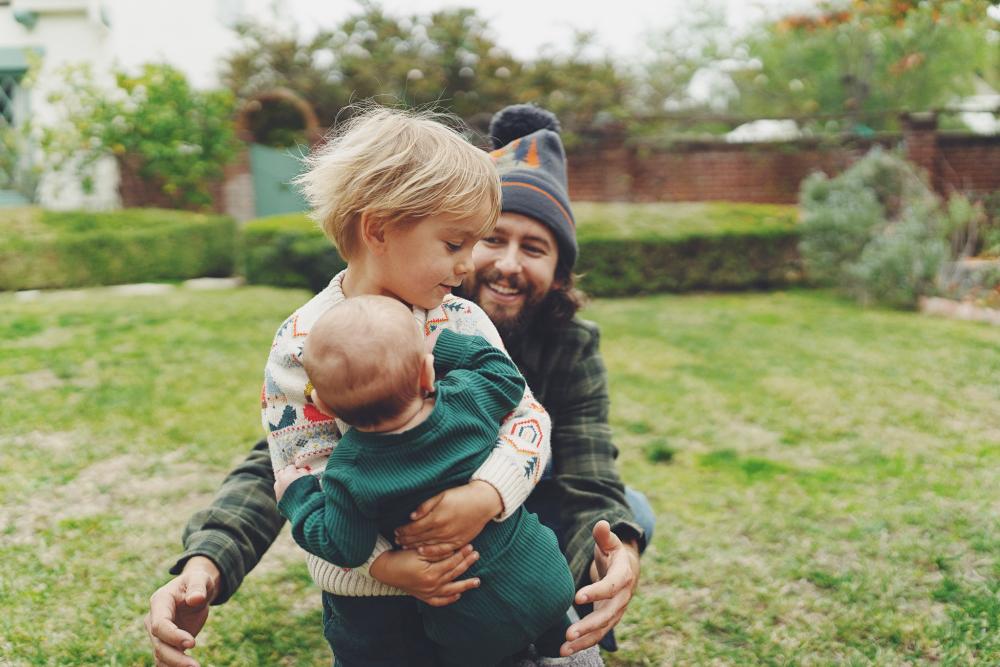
<point>450,519</point>
<point>432,581</point>
<point>284,479</point>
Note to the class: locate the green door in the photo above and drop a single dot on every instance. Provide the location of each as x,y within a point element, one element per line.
<point>272,170</point>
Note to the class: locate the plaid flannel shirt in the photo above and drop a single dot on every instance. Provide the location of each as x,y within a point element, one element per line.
<point>564,368</point>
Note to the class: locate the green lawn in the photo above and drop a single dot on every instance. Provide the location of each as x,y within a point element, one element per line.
<point>828,491</point>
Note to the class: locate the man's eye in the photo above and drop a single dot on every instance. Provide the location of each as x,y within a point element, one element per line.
<point>491,240</point>
<point>533,250</point>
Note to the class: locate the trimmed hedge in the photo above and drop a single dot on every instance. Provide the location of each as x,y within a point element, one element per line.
<point>646,248</point>
<point>624,248</point>
<point>288,250</point>
<point>43,249</point>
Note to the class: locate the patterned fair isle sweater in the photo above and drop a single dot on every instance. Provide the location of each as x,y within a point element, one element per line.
<point>300,434</point>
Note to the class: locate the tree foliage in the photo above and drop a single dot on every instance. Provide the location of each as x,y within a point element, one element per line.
<point>447,59</point>
<point>870,59</point>
<point>178,138</point>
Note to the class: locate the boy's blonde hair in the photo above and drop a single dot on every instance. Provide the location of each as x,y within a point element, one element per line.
<point>396,166</point>
<point>364,358</point>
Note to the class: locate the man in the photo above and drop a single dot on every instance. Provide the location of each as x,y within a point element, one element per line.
<point>523,280</point>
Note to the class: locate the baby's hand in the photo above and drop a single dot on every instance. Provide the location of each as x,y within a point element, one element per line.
<point>284,479</point>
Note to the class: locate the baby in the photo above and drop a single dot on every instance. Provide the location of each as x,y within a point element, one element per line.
<point>411,438</point>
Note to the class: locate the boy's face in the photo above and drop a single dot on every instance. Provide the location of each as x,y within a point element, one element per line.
<point>515,268</point>
<point>426,260</point>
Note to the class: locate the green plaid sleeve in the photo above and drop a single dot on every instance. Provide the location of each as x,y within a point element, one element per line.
<point>583,454</point>
<point>239,526</point>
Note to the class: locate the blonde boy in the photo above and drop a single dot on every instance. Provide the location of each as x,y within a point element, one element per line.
<point>405,199</point>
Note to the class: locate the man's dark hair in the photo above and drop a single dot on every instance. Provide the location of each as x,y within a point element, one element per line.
<point>563,300</point>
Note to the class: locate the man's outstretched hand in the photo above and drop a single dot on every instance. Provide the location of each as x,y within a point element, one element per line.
<point>615,573</point>
<point>178,611</point>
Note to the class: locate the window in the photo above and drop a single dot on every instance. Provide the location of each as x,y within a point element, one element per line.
<point>8,91</point>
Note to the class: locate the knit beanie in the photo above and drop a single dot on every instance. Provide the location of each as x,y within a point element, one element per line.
<point>532,163</point>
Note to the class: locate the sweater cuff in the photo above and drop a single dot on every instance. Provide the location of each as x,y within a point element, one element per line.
<point>508,478</point>
<point>451,349</point>
<point>298,496</point>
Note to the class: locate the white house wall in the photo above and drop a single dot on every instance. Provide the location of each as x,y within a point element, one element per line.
<point>192,35</point>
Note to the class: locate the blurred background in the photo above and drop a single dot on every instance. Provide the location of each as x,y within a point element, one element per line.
<point>769,198</point>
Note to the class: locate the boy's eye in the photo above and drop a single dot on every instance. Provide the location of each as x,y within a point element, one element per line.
<point>452,246</point>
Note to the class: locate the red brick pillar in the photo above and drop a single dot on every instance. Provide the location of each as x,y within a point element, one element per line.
<point>920,142</point>
<point>617,167</point>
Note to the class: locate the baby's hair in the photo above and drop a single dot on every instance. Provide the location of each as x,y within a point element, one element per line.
<point>363,357</point>
<point>397,166</point>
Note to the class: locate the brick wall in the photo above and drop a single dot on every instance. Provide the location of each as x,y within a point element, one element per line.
<point>606,167</point>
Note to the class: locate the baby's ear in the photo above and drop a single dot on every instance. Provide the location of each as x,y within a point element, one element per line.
<point>427,373</point>
<point>321,406</point>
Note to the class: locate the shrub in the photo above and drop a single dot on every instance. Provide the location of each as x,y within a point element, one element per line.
<point>288,251</point>
<point>44,249</point>
<point>176,138</point>
<point>902,263</point>
<point>624,248</point>
<point>876,230</point>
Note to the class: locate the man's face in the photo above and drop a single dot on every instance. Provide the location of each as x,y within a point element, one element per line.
<point>515,268</point>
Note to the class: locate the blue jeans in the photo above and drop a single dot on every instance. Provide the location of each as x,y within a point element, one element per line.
<point>642,511</point>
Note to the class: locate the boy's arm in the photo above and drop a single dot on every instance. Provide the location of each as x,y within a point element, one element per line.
<point>328,522</point>
<point>522,448</point>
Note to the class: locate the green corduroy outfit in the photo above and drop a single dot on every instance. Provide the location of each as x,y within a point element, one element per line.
<point>374,480</point>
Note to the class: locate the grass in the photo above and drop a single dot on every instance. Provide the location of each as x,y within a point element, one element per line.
<point>826,478</point>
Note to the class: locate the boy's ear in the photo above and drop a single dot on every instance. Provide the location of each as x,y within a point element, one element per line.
<point>372,233</point>
<point>427,373</point>
<point>321,406</point>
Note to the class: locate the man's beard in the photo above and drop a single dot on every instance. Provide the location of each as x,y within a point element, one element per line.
<point>511,325</point>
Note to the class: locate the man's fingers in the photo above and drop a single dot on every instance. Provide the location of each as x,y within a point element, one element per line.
<point>160,624</point>
<point>599,619</point>
<point>618,577</point>
<point>604,539</point>
<point>589,630</point>
<point>196,591</point>
<point>168,656</point>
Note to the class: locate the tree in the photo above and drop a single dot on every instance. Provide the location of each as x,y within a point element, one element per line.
<point>176,138</point>
<point>869,60</point>
<point>447,59</point>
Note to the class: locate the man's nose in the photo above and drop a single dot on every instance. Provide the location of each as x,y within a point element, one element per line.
<point>509,262</point>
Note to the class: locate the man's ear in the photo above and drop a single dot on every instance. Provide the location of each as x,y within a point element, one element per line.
<point>321,406</point>
<point>427,373</point>
<point>372,233</point>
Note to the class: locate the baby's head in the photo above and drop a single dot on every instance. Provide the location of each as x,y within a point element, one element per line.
<point>366,361</point>
<point>396,168</point>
